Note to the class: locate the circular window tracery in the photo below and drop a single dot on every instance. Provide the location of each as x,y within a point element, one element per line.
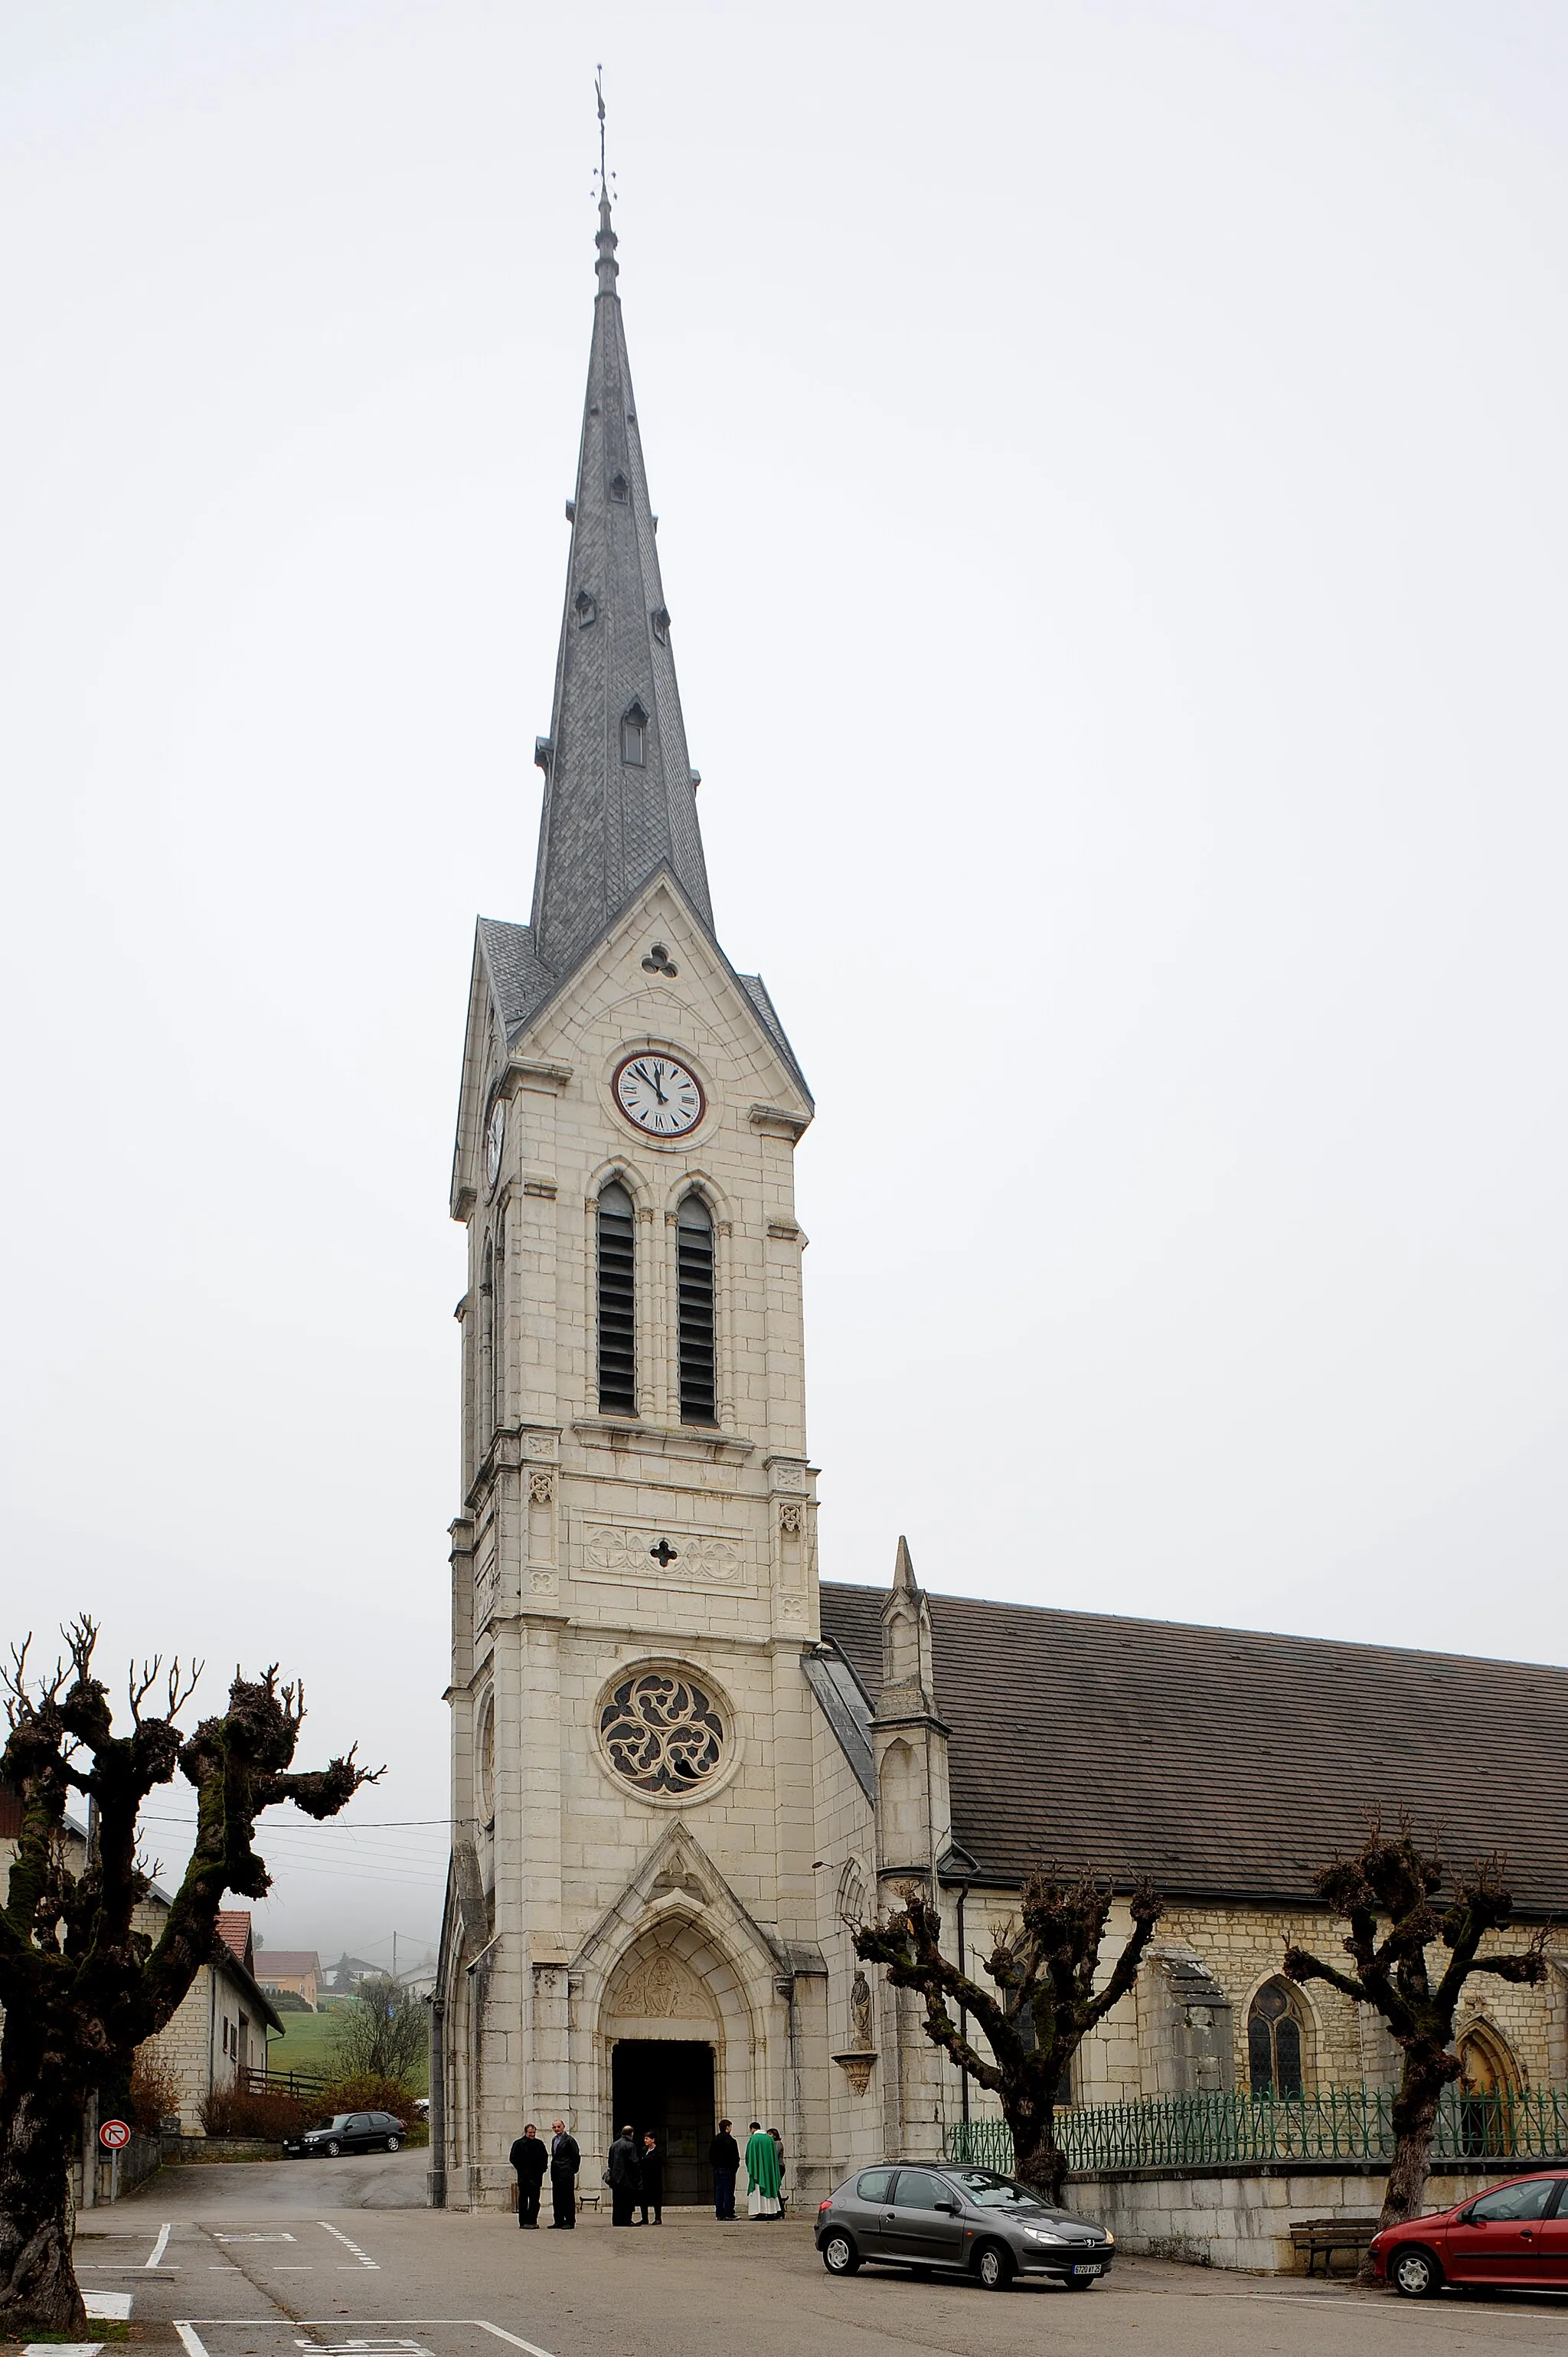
<point>663,1732</point>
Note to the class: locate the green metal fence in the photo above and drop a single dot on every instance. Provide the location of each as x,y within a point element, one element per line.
<point>1341,2124</point>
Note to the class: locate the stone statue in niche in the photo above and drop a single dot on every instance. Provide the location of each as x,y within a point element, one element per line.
<point>860,2010</point>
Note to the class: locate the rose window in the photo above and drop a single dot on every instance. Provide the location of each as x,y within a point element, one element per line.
<point>661,1732</point>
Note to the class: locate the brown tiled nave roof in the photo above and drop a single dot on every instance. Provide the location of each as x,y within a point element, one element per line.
<point>1227,1762</point>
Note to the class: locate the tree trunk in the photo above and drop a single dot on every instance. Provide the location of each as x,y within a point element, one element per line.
<point>39,2134</point>
<point>1038,2161</point>
<point>1414,2122</point>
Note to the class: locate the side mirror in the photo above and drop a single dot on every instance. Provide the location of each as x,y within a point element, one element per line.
<point>1465,2218</point>
<point>948,2209</point>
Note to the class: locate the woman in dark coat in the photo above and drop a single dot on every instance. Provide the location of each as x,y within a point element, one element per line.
<point>652,2179</point>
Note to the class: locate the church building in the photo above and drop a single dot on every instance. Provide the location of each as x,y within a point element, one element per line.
<point>682,1769</point>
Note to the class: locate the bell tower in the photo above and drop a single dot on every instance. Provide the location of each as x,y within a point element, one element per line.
<point>634,1578</point>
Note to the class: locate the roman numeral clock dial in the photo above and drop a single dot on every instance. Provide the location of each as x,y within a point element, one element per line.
<point>657,1095</point>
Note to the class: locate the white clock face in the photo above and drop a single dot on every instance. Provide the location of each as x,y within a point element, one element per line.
<point>657,1095</point>
<point>495,1138</point>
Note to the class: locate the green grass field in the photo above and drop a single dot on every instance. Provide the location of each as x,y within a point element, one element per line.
<point>305,2045</point>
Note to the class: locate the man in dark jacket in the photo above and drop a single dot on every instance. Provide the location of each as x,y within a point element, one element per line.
<point>723,2159</point>
<point>653,2166</point>
<point>528,2156</point>
<point>564,2162</point>
<point>625,2175</point>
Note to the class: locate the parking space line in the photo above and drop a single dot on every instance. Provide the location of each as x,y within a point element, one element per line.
<point>190,2340</point>
<point>161,2245</point>
<point>533,2347</point>
<point>364,2257</point>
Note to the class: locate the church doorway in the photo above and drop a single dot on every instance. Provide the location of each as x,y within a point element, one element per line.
<point>667,2084</point>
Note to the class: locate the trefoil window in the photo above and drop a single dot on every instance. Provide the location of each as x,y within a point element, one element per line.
<point>617,1302</point>
<point>695,1291</point>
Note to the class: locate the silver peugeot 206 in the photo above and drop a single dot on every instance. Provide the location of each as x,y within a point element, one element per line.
<point>958,2221</point>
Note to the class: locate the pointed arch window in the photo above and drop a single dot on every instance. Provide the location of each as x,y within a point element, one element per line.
<point>694,1310</point>
<point>1274,2041</point>
<point>634,736</point>
<point>617,1225</point>
<point>586,605</point>
<point>617,487</point>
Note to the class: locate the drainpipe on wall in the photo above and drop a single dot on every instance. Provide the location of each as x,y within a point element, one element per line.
<point>963,2016</point>
<point>437,2102</point>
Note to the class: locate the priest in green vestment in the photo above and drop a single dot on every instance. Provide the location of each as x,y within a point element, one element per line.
<point>763,2175</point>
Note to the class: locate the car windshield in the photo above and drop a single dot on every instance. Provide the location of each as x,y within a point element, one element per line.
<point>339,2120</point>
<point>989,2191</point>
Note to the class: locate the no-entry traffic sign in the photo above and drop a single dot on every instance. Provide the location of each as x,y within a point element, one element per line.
<point>114,2136</point>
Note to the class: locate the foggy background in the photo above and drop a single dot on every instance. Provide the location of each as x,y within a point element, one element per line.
<point>1112,481</point>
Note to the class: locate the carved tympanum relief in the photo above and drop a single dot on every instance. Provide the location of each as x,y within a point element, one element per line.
<point>658,1987</point>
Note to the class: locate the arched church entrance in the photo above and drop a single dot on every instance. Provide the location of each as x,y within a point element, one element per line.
<point>666,2084</point>
<point>663,2025</point>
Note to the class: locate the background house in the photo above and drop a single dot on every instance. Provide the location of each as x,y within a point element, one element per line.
<point>290,1971</point>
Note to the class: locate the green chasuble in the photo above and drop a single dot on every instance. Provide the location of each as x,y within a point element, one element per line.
<point>762,2164</point>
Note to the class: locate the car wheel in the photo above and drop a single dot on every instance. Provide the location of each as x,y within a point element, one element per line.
<point>992,2267</point>
<point>839,2255</point>
<point>1415,2273</point>
<point>394,2143</point>
<point>332,2149</point>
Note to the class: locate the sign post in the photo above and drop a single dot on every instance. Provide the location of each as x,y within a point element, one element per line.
<point>114,2135</point>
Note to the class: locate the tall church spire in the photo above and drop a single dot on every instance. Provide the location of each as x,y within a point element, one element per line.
<point>620,791</point>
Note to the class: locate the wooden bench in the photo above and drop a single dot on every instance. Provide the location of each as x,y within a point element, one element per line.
<point>1321,2237</point>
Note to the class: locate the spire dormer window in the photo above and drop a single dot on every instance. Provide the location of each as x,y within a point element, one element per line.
<point>660,618</point>
<point>619,489</point>
<point>586,605</point>
<point>634,738</point>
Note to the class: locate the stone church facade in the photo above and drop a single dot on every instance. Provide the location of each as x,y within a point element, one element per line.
<point>682,1767</point>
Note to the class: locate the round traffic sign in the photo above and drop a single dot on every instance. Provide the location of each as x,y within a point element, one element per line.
<point>114,2134</point>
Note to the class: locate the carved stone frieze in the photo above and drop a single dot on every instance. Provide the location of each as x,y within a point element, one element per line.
<point>692,1554</point>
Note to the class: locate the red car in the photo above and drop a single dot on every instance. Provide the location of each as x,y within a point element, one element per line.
<point>1514,2235</point>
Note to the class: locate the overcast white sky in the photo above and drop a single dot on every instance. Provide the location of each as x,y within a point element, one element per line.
<point>1112,467</point>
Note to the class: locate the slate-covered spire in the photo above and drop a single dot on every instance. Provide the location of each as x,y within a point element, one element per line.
<point>619,793</point>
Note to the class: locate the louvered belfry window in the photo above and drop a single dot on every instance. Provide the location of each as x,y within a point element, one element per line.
<point>617,1303</point>
<point>695,1286</point>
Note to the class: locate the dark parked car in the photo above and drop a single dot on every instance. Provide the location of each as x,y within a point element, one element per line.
<point>348,2132</point>
<point>961,2221</point>
<point>1514,2235</point>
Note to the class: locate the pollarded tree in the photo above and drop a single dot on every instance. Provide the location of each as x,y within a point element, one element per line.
<point>81,1986</point>
<point>383,2034</point>
<point>1388,1895</point>
<point>1043,2004</point>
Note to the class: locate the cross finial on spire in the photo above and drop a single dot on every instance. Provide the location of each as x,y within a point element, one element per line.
<point>608,268</point>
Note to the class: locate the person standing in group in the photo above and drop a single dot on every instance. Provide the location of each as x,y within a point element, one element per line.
<point>528,2156</point>
<point>723,2159</point>
<point>762,2174</point>
<point>779,2148</point>
<point>652,2179</point>
<point>623,2175</point>
<point>564,2162</point>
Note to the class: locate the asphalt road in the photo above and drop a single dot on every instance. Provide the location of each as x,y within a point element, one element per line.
<point>264,2260</point>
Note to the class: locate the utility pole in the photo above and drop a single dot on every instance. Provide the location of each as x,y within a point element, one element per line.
<point>90,2103</point>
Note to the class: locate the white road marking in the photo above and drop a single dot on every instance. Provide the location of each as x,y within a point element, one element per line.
<point>161,2245</point>
<point>533,2347</point>
<point>365,2261</point>
<point>107,2307</point>
<point>63,2349</point>
<point>190,2338</point>
<point>255,2238</point>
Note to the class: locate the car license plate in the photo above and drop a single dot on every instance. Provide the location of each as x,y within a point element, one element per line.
<point>1094,2270</point>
